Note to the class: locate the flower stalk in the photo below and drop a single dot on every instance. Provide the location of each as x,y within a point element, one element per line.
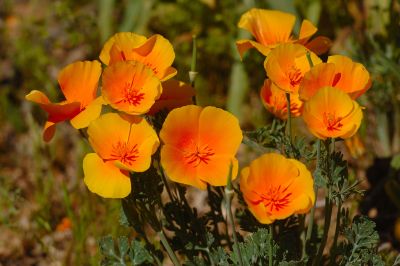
<point>168,248</point>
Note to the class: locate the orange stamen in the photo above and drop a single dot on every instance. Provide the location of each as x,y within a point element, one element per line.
<point>295,76</point>
<point>275,198</point>
<point>332,123</point>
<point>198,155</point>
<point>122,152</point>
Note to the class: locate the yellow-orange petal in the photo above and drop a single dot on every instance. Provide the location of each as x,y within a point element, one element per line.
<point>331,113</point>
<point>212,122</point>
<point>156,53</point>
<point>287,64</point>
<point>307,29</point>
<point>174,94</point>
<point>131,87</point>
<point>49,130</point>
<point>124,42</point>
<point>78,81</point>
<point>105,131</point>
<point>268,27</point>
<point>104,179</point>
<point>181,126</point>
<point>57,111</point>
<point>274,100</point>
<point>171,161</point>
<point>216,171</point>
<point>87,115</point>
<point>354,77</point>
<point>244,45</point>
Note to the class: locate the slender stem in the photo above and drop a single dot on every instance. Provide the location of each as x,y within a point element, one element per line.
<point>289,120</point>
<point>270,260</point>
<point>171,198</point>
<point>311,221</point>
<point>336,236</point>
<point>310,62</point>
<point>168,248</point>
<point>328,206</point>
<point>193,72</point>
<point>228,198</point>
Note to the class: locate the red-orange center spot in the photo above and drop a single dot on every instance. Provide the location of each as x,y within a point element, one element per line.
<point>332,122</point>
<point>295,76</point>
<point>197,155</point>
<point>124,153</point>
<point>132,96</point>
<point>275,198</point>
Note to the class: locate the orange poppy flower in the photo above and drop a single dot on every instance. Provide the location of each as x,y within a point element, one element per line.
<point>331,113</point>
<point>199,145</point>
<point>271,28</point>
<point>275,188</point>
<point>131,87</point>
<point>155,52</point>
<point>339,72</point>
<point>274,100</point>
<point>122,143</point>
<point>78,82</point>
<point>287,64</point>
<point>174,94</point>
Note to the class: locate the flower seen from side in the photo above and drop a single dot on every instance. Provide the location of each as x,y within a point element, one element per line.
<point>131,87</point>
<point>331,113</point>
<point>155,52</point>
<point>275,188</point>
<point>339,72</point>
<point>199,145</point>
<point>271,28</point>
<point>121,143</point>
<point>274,100</point>
<point>286,65</point>
<point>78,82</point>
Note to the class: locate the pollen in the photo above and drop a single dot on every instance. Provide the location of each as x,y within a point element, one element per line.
<point>132,96</point>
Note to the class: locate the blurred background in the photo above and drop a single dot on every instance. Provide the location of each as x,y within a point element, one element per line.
<point>48,217</point>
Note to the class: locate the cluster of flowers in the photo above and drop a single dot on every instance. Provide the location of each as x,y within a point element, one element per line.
<point>199,144</point>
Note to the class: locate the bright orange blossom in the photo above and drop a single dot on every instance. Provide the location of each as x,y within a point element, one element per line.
<point>155,52</point>
<point>122,143</point>
<point>331,113</point>
<point>199,145</point>
<point>275,188</point>
<point>271,28</point>
<point>78,82</point>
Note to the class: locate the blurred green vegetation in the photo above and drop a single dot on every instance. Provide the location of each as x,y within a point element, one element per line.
<point>41,183</point>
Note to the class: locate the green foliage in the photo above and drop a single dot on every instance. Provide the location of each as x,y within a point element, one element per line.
<point>122,253</point>
<point>361,243</point>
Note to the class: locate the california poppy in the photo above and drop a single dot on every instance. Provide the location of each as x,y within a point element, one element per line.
<point>274,100</point>
<point>78,82</point>
<point>275,188</point>
<point>339,72</point>
<point>331,113</point>
<point>271,28</point>
<point>155,52</point>
<point>122,143</point>
<point>287,64</point>
<point>199,145</point>
<point>131,87</point>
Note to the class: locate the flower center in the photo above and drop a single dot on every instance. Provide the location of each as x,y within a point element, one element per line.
<point>332,122</point>
<point>276,198</point>
<point>132,96</point>
<point>295,76</point>
<point>198,155</point>
<point>124,153</point>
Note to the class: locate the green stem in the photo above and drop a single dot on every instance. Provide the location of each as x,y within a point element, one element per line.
<point>228,198</point>
<point>336,236</point>
<point>193,72</point>
<point>328,207</point>
<point>171,198</point>
<point>168,248</point>
<point>289,121</point>
<point>311,221</point>
<point>270,260</point>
